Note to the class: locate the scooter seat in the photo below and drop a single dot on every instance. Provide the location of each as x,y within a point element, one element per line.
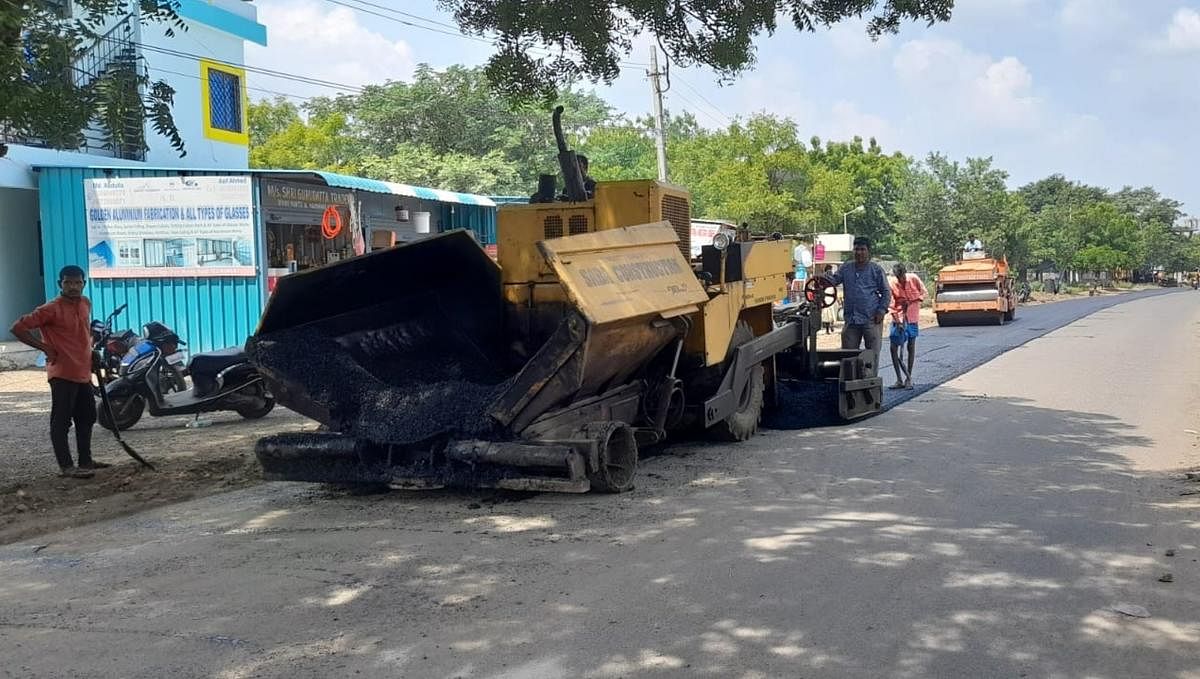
<point>213,362</point>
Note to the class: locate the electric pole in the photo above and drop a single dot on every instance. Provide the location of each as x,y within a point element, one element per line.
<point>660,134</point>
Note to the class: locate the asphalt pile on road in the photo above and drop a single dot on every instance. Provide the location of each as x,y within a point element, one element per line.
<point>403,384</point>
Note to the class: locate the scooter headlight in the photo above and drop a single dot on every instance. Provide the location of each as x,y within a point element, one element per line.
<point>137,359</point>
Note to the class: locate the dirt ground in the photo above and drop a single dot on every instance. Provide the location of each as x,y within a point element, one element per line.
<point>190,461</point>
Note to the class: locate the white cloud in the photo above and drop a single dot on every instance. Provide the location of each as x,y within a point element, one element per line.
<point>1078,131</point>
<point>990,91</point>
<point>847,122</point>
<point>1094,17</point>
<point>331,44</point>
<point>850,40</point>
<point>1183,35</point>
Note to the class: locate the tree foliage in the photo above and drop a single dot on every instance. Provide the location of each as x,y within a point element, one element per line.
<point>944,202</point>
<point>441,117</point>
<point>448,130</point>
<point>544,45</point>
<point>45,95</point>
<point>762,172</point>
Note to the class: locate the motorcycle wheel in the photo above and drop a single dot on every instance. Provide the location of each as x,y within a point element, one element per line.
<point>252,413</point>
<point>126,411</point>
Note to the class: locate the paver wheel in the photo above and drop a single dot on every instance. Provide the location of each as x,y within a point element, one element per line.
<point>742,423</point>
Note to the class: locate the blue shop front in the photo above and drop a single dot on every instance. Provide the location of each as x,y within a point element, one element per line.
<point>201,250</point>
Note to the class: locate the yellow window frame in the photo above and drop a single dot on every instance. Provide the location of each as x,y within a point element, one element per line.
<point>241,138</point>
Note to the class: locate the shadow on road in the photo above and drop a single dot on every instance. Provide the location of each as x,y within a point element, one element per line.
<point>901,550</point>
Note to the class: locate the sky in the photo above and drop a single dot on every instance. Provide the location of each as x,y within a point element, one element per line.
<point>1103,91</point>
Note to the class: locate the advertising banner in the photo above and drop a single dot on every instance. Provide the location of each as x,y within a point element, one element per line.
<point>160,227</point>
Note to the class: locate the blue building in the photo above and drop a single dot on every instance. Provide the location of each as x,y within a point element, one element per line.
<point>202,65</point>
<point>200,249</point>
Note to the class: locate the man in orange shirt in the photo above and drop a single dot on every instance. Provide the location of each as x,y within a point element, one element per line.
<point>907,295</point>
<point>64,324</point>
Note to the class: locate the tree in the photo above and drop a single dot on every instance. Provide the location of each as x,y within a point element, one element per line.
<point>877,178</point>
<point>490,174</point>
<point>589,40</point>
<point>1101,258</point>
<point>1147,206</point>
<point>1057,190</point>
<point>320,143</point>
<point>927,228</point>
<point>1056,236</point>
<point>44,95</point>
<point>268,118</point>
<point>620,152</point>
<point>946,201</point>
<point>455,112</point>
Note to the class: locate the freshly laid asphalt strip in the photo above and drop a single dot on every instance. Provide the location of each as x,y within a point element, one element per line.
<point>946,353</point>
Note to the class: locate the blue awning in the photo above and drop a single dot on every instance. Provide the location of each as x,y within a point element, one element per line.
<point>346,181</point>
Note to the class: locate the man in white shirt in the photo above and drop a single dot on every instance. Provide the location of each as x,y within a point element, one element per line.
<point>973,244</point>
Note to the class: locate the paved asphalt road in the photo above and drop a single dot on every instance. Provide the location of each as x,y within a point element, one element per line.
<point>944,353</point>
<point>987,528</point>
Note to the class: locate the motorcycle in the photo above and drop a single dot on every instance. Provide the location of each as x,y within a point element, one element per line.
<point>110,346</point>
<point>221,381</point>
<point>1024,293</point>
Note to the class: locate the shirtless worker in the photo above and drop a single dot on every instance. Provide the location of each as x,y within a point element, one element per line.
<point>907,294</point>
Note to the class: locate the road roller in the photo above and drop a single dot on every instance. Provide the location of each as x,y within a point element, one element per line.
<point>592,336</point>
<point>977,289</point>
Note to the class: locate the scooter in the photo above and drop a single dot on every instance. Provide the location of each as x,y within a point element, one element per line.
<point>221,381</point>
<point>111,348</point>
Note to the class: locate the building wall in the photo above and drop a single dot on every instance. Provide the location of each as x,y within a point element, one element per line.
<point>21,286</point>
<point>207,312</point>
<point>184,74</point>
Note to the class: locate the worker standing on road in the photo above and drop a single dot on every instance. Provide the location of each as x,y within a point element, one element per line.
<point>865,298</point>
<point>907,294</point>
<point>64,324</point>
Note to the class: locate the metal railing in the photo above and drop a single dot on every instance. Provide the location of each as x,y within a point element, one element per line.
<point>116,48</point>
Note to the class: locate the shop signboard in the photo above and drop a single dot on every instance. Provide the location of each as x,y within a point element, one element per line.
<point>293,196</point>
<point>170,227</point>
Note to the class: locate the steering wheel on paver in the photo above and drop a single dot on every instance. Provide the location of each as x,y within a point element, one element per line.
<point>820,292</point>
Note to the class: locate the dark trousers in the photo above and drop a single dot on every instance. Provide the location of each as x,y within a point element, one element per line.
<point>71,402</point>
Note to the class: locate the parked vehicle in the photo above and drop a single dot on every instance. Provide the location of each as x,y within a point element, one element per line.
<point>1024,292</point>
<point>111,347</point>
<point>221,381</point>
<point>174,366</point>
